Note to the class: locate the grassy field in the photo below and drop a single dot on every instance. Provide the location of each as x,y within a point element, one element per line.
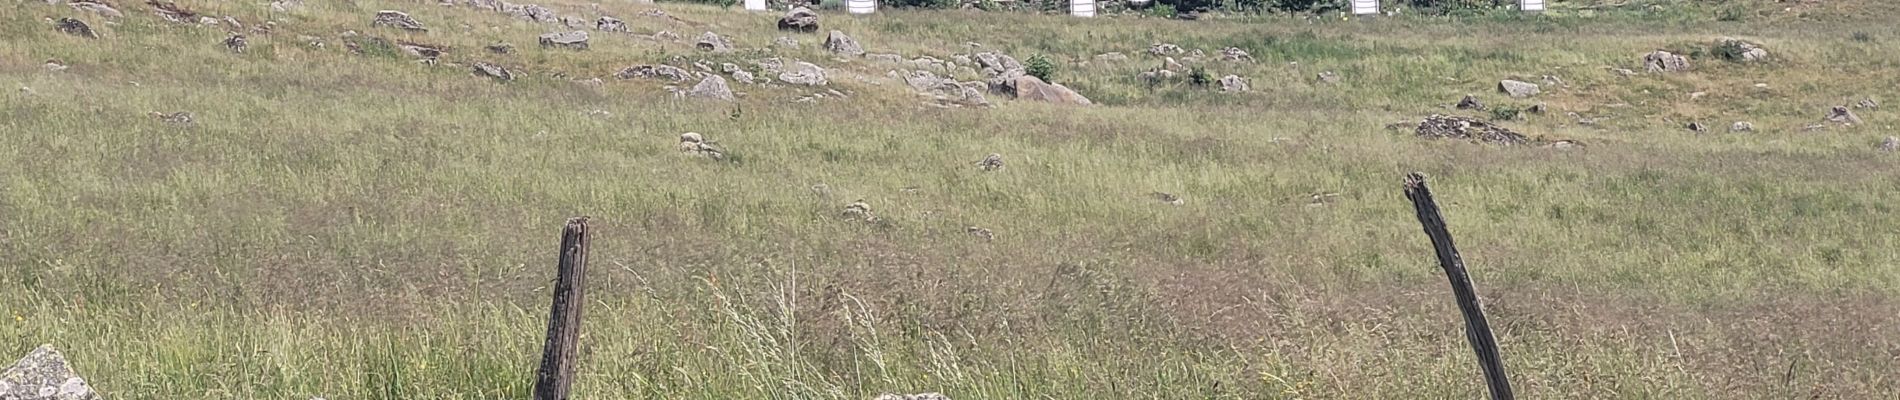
<point>369,227</point>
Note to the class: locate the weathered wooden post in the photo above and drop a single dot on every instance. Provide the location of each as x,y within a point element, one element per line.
<point>564,319</point>
<point>1476,329</point>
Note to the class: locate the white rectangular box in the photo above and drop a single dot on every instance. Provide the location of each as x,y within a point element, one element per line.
<point>1531,5</point>
<point>755,5</point>
<point>1365,7</point>
<point>1082,8</point>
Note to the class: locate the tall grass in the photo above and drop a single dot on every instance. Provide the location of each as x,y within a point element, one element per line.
<point>361,227</point>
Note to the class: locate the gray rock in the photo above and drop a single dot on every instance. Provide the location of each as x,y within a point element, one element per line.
<point>884,58</point>
<point>927,396</point>
<point>1235,54</point>
<point>1697,127</point>
<point>1165,49</point>
<point>419,50</point>
<point>804,73</point>
<point>236,43</point>
<point>576,40</point>
<point>397,19</point>
<point>799,19</point>
<point>713,42</point>
<point>174,118</point>
<point>102,9</point>
<point>1741,126</point>
<point>992,162</point>
<point>75,27</point>
<point>742,76</point>
<point>44,374</point>
<point>694,144</point>
<point>1034,89</point>
<point>838,43</point>
<point>1867,104</point>
<point>996,61</point>
<point>610,24</point>
<point>772,65</point>
<point>501,48</point>
<point>1456,127</point>
<point>661,71</point>
<point>1740,50</point>
<point>1111,57</point>
<point>711,87</point>
<point>1890,144</point>
<point>1842,115</point>
<point>1234,84</point>
<point>493,71</point>
<point>1470,102</point>
<point>945,91</point>
<point>1663,61</point>
<point>172,12</point>
<point>1518,89</point>
<point>1167,198</point>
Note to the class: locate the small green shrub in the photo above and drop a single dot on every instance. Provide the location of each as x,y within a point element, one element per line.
<point>1863,37</point>
<point>1199,78</point>
<point>1040,67</point>
<point>1731,50</point>
<point>1163,11</point>
<point>1506,113</point>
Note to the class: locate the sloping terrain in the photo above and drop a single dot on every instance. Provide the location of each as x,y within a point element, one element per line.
<point>339,214</point>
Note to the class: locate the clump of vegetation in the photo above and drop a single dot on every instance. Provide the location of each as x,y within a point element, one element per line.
<point>1199,77</point>
<point>1863,37</point>
<point>1507,113</point>
<point>1163,11</point>
<point>1040,67</point>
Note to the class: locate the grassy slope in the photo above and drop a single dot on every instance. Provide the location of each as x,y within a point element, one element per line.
<point>368,227</point>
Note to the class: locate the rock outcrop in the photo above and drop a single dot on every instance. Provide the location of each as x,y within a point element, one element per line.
<point>75,27</point>
<point>711,87</point>
<point>576,40</point>
<point>1456,127</point>
<point>610,24</point>
<point>1663,61</point>
<point>659,71</point>
<point>799,19</point>
<point>1032,88</point>
<point>398,19</point>
<point>44,374</point>
<point>712,42</point>
<point>838,43</point>
<point>1518,89</point>
<point>1234,84</point>
<point>804,73</point>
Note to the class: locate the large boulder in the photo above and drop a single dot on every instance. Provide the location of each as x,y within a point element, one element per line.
<point>1663,61</point>
<point>1234,84</point>
<point>1456,127</point>
<point>803,73</point>
<point>660,71</point>
<point>712,42</point>
<point>838,43</point>
<point>44,374</point>
<point>571,39</point>
<point>711,87</point>
<point>1029,87</point>
<point>397,19</point>
<point>799,19</point>
<point>1518,89</point>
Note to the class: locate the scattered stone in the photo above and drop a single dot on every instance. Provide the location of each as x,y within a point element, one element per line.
<point>1891,144</point>
<point>1741,126</point>
<point>494,71</point>
<point>799,19</point>
<point>1235,54</point>
<point>1165,49</point>
<point>665,36</point>
<point>531,12</point>
<point>694,144</point>
<point>573,22</point>
<point>76,28</point>
<point>660,71</point>
<point>236,43</point>
<point>172,12</point>
<point>1739,50</point>
<point>1518,89</point>
<point>1623,72</point>
<point>1234,84</point>
<point>285,6</point>
<point>1169,64</point>
<point>742,76</point>
<point>713,42</point>
<point>174,118</point>
<point>772,65</point>
<point>501,48</point>
<point>1168,198</point>
<point>711,87</point>
<point>44,374</point>
<point>973,231</point>
<point>1470,102</point>
<point>94,7</point>
<point>884,58</point>
<point>54,65</point>
<point>397,19</point>
<point>1328,77</point>
<point>1563,145</point>
<point>859,210</point>
<point>804,73</point>
<point>1663,61</point>
<point>1814,128</point>
<point>990,163</point>
<point>998,62</point>
<point>1867,104</point>
<point>610,24</point>
<point>932,63</point>
<point>1842,115</point>
<point>947,92</point>
<point>1111,57</point>
<point>1463,128</point>
<point>1538,108</point>
<point>1555,81</point>
<point>1032,88</point>
<point>1697,127</point>
<point>576,40</point>
<point>785,42</point>
<point>840,44</point>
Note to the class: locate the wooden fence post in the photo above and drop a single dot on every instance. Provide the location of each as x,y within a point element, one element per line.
<point>564,319</point>
<point>1476,329</point>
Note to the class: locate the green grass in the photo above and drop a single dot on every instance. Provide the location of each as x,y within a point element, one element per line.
<point>368,227</point>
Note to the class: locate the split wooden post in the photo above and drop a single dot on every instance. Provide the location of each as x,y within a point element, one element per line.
<point>564,318</point>
<point>1476,329</point>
